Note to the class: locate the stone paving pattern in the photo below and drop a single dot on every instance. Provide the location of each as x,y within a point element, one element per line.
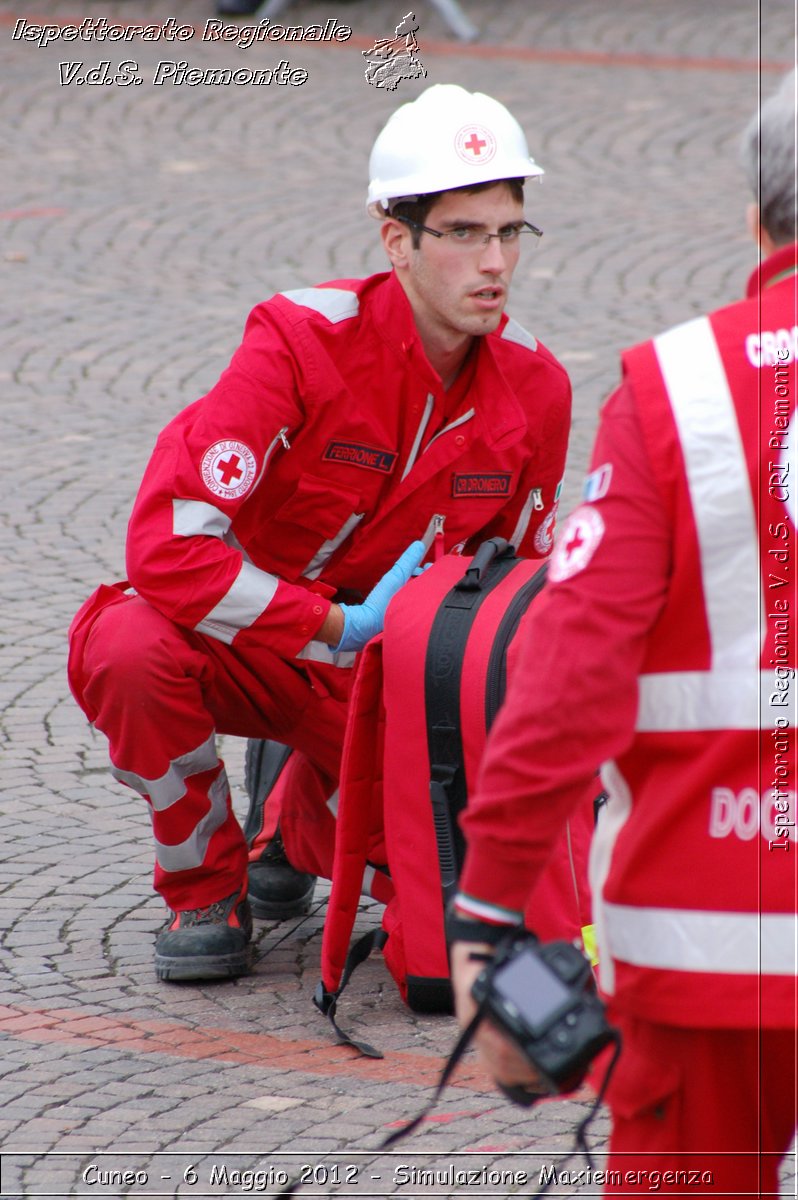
<point>139,225</point>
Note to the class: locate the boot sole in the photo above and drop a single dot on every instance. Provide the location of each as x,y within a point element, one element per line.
<point>281,910</point>
<point>184,968</point>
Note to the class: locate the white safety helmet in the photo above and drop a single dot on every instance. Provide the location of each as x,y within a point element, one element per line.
<point>447,138</point>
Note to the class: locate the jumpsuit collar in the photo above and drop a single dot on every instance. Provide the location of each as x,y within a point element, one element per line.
<point>773,270</point>
<point>394,319</point>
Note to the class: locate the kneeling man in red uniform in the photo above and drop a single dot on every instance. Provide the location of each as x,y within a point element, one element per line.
<point>281,511</point>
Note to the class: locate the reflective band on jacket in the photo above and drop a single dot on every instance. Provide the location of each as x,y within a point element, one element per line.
<point>328,548</point>
<point>336,304</point>
<point>513,332</point>
<point>251,593</point>
<point>196,518</point>
<point>675,701</point>
<point>727,696</point>
<point>675,939</point>
<point>518,534</point>
<point>320,652</point>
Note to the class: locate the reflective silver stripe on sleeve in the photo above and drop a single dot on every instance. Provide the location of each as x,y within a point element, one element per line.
<point>171,786</point>
<point>317,563</point>
<point>728,695</point>
<point>231,540</point>
<point>195,518</point>
<point>250,595</point>
<point>530,504</point>
<point>513,332</point>
<point>320,652</point>
<point>191,853</point>
<point>336,304</point>
<point>727,943</point>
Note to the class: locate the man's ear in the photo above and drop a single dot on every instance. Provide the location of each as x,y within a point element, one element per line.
<point>397,241</point>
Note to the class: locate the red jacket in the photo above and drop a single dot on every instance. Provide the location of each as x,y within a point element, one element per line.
<point>326,447</point>
<point>667,651</point>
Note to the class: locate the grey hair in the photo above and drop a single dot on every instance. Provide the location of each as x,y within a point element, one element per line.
<point>768,153</point>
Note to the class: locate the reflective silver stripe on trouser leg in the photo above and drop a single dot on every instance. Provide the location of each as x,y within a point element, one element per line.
<point>170,788</point>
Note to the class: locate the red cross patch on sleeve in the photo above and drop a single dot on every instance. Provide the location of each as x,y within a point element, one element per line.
<point>228,469</point>
<point>577,544</point>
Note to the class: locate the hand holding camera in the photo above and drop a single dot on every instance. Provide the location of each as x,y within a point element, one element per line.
<point>545,1022</point>
<point>500,1054</point>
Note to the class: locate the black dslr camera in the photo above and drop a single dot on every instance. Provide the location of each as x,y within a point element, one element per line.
<point>543,995</point>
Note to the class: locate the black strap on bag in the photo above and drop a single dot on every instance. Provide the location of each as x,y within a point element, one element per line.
<point>443,670</point>
<point>327,1002</point>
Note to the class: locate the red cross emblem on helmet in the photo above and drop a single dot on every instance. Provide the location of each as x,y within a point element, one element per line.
<point>228,469</point>
<point>475,144</point>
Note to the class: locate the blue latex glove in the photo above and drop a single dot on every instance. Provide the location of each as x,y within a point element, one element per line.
<point>363,621</point>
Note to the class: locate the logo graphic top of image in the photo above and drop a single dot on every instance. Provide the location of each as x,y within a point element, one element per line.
<point>390,60</point>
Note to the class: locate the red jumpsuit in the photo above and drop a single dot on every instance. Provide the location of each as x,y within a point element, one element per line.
<point>327,446</point>
<point>664,648</point>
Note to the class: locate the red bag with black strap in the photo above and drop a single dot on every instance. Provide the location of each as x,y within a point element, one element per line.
<point>424,698</point>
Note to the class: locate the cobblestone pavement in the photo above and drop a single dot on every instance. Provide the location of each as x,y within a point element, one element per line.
<point>139,224</point>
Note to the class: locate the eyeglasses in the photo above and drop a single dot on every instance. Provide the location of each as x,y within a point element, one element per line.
<point>470,236</point>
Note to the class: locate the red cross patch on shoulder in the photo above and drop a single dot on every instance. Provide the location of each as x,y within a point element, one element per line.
<point>228,469</point>
<point>580,537</point>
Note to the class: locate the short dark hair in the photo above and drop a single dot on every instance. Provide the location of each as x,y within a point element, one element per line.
<point>418,209</point>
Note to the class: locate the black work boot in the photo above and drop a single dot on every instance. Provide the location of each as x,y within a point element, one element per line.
<point>276,889</point>
<point>206,943</point>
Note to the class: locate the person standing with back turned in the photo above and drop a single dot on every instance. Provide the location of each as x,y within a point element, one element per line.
<point>673,587</point>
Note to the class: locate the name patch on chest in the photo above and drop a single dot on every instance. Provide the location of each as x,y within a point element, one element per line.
<point>488,484</point>
<point>358,455</point>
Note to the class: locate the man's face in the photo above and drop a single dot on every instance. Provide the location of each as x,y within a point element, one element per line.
<point>455,290</point>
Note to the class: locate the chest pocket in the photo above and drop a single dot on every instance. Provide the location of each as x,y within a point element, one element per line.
<point>309,526</point>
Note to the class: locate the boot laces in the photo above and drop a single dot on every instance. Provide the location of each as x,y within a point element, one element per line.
<point>213,914</point>
<point>275,850</point>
